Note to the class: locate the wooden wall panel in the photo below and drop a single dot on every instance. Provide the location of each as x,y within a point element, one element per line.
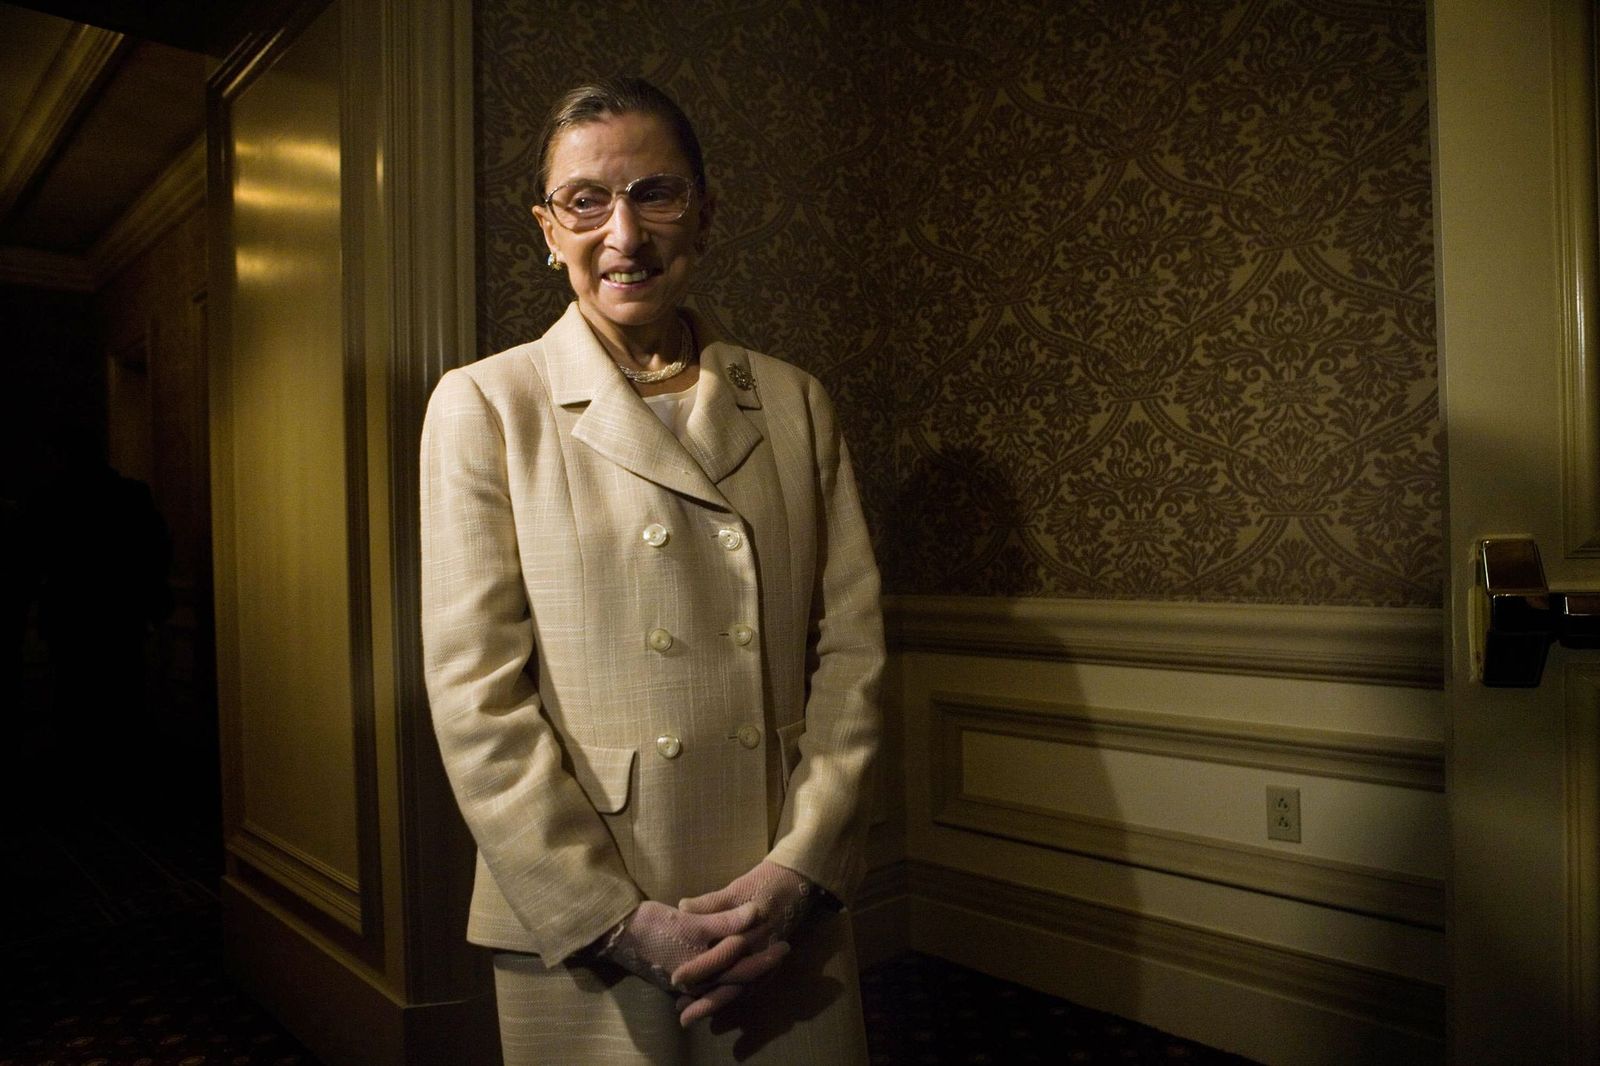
<point>339,295</point>
<point>287,487</point>
<point>1084,810</point>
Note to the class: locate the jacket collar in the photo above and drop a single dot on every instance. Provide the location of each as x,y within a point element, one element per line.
<point>619,425</point>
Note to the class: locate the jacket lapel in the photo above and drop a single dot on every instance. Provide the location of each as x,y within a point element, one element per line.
<point>720,435</point>
<point>620,426</point>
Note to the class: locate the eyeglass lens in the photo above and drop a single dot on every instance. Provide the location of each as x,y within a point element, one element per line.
<point>657,198</point>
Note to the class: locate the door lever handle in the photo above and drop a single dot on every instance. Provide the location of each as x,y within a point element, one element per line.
<point>1518,617</point>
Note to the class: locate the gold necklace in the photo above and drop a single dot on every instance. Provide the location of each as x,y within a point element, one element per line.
<point>672,369</point>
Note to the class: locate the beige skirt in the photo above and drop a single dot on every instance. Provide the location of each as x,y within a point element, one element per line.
<point>807,1013</point>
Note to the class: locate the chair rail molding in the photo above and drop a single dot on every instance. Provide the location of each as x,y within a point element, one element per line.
<point>1373,645</point>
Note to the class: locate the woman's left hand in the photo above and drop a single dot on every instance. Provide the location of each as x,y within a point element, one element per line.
<point>782,898</point>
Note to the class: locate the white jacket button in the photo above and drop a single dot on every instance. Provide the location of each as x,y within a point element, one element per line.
<point>749,736</point>
<point>742,634</point>
<point>660,639</point>
<point>730,539</point>
<point>655,534</point>
<point>668,745</point>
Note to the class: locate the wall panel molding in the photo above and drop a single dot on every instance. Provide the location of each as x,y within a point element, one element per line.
<point>341,1009</point>
<point>1388,894</point>
<point>1583,862</point>
<point>407,988</point>
<point>1399,762</point>
<point>281,72</point>
<point>1575,224</point>
<point>1386,646</point>
<point>292,868</point>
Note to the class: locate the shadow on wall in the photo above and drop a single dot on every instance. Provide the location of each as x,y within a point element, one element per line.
<point>1045,808</point>
<point>963,500</point>
<point>1019,828</point>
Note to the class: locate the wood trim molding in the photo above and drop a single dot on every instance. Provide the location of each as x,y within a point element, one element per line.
<point>333,893</point>
<point>176,194</point>
<point>81,64</point>
<point>1575,189</point>
<point>1399,762</point>
<point>883,884</point>
<point>363,478</point>
<point>1583,859</point>
<point>344,1012</point>
<point>360,909</point>
<point>1387,894</point>
<point>941,894</point>
<point>879,914</point>
<point>416,116</point>
<point>45,270</point>
<point>1371,645</point>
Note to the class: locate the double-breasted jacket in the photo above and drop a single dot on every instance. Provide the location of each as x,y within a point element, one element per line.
<point>651,662</point>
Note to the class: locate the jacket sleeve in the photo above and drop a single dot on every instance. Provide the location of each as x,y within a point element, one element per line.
<point>545,846</point>
<point>828,805</point>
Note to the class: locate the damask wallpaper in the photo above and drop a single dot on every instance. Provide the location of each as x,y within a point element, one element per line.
<point>1118,298</point>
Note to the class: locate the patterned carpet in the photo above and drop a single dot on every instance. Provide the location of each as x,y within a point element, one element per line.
<point>149,994</point>
<point>113,958</point>
<point>923,1011</point>
<point>113,952</point>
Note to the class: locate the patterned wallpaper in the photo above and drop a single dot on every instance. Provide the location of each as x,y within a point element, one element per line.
<point>1118,298</point>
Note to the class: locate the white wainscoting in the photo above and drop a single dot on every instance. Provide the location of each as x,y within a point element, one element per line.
<point>1084,810</point>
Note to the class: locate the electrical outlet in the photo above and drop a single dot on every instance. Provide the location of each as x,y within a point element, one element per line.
<point>1283,814</point>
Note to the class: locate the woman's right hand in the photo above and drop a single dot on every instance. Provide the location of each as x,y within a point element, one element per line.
<point>676,950</point>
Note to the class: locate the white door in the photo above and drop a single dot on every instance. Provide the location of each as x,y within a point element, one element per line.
<point>1515,207</point>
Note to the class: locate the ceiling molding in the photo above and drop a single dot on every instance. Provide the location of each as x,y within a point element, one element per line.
<point>59,100</point>
<point>179,191</point>
<point>45,270</point>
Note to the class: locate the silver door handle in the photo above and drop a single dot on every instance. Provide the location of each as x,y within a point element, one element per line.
<point>1519,617</point>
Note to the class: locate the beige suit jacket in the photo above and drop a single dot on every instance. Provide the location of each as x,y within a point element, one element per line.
<point>651,663</point>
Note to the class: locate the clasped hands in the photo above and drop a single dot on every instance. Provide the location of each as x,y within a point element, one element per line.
<point>710,948</point>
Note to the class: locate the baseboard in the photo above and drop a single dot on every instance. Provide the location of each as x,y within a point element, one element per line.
<point>334,1005</point>
<point>1269,1003</point>
<point>882,915</point>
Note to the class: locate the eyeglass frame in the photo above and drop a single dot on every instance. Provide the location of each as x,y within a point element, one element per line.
<point>548,203</point>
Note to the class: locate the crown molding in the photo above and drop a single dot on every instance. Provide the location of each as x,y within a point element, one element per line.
<point>179,191</point>
<point>1372,645</point>
<point>45,270</point>
<point>67,87</point>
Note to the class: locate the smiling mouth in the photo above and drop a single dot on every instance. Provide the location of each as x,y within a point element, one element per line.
<point>627,277</point>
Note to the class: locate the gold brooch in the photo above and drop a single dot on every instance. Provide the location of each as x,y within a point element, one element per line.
<point>740,376</point>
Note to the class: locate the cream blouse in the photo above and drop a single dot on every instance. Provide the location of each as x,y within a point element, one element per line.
<point>673,408</point>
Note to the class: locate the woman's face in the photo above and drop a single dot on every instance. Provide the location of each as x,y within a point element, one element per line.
<point>628,274</point>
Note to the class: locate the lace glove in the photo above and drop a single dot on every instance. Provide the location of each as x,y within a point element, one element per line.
<point>676,950</point>
<point>782,899</point>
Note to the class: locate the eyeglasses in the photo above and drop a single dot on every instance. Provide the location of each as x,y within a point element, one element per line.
<point>581,206</point>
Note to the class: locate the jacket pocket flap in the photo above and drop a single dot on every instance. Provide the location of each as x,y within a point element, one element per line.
<point>604,775</point>
<point>789,744</point>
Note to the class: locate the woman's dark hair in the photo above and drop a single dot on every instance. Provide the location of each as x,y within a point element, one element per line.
<point>617,96</point>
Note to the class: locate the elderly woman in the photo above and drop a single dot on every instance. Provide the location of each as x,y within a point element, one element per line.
<point>653,642</point>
